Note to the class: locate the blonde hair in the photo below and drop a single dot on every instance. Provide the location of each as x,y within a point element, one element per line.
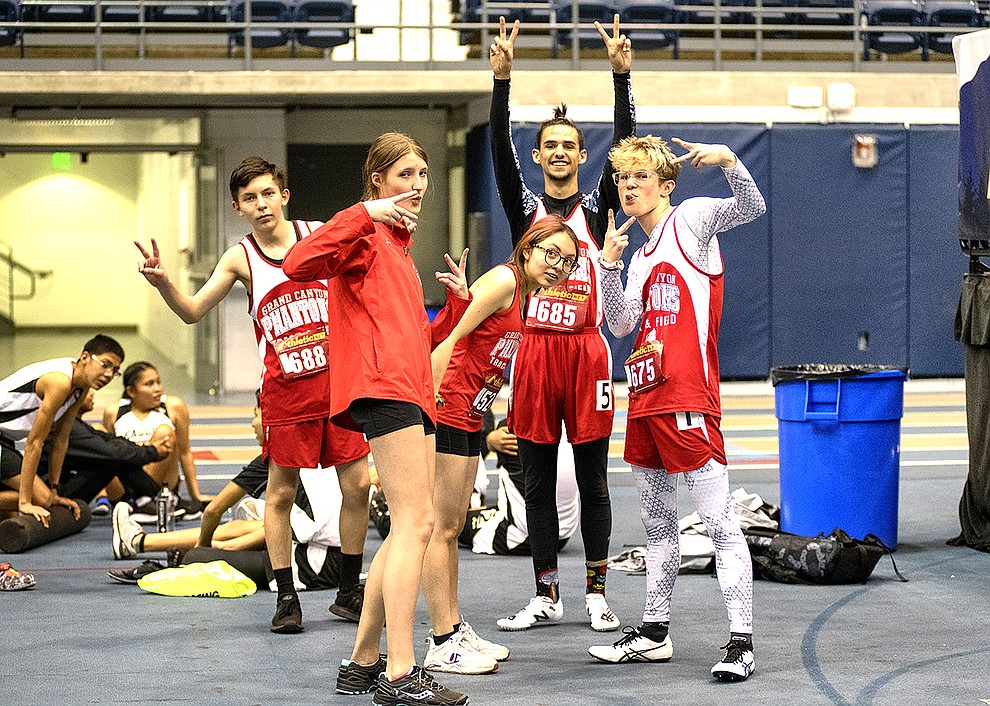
<point>650,152</point>
<point>388,149</point>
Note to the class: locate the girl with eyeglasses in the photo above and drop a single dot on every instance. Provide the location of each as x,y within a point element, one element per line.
<point>469,370</point>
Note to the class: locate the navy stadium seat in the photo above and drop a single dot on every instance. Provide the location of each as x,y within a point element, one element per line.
<point>179,13</point>
<point>323,11</point>
<point>650,12</point>
<point>951,13</point>
<point>897,15</point>
<point>825,12</point>
<point>588,11</point>
<point>10,11</point>
<point>262,12</point>
<point>63,13</point>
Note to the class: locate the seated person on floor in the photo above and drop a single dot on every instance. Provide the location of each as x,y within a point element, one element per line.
<point>504,530</point>
<point>315,523</point>
<point>95,458</point>
<point>41,399</point>
<point>144,409</point>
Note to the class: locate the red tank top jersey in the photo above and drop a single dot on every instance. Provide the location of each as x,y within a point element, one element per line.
<point>574,305</point>
<point>379,332</point>
<point>682,310</point>
<point>290,325</point>
<point>477,366</point>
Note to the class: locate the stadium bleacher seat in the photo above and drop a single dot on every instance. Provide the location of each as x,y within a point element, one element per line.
<point>323,11</point>
<point>650,12</point>
<point>62,13</point>
<point>10,11</point>
<point>180,13</point>
<point>588,11</point>
<point>951,13</point>
<point>262,12</point>
<point>825,12</point>
<point>896,15</point>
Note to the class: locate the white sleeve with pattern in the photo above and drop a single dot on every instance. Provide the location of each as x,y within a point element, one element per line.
<point>623,309</point>
<point>700,219</point>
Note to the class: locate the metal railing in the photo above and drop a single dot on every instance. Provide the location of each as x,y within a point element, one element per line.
<point>9,271</point>
<point>711,41</point>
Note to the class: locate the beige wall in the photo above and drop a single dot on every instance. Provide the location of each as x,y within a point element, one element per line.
<point>80,224</point>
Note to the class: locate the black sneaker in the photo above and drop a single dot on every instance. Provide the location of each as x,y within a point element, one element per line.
<point>288,615</point>
<point>132,576</point>
<point>416,687</point>
<point>190,509</point>
<point>354,678</point>
<point>348,603</point>
<point>378,509</point>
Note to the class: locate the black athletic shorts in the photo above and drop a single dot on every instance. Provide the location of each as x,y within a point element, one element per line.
<point>380,417</point>
<point>10,459</point>
<point>458,442</point>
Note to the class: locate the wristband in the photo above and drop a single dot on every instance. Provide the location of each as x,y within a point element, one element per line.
<point>611,266</point>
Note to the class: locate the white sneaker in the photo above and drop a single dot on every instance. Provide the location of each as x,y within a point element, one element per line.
<point>125,532</point>
<point>457,657</point>
<point>540,609</point>
<point>602,617</point>
<point>249,509</point>
<point>480,644</point>
<point>634,647</point>
<point>737,664</point>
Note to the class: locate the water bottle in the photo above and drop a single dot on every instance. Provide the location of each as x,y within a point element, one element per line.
<point>166,502</point>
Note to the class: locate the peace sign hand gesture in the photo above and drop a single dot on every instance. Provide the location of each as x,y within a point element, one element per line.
<point>152,268</point>
<point>700,154</point>
<point>502,50</point>
<point>616,239</point>
<point>456,279</point>
<point>618,46</point>
<point>387,210</point>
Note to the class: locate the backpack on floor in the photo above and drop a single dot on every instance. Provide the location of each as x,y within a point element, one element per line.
<point>835,558</point>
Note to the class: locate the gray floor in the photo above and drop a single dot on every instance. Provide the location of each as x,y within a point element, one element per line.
<point>78,638</point>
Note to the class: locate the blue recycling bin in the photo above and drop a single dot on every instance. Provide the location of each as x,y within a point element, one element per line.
<point>839,430</point>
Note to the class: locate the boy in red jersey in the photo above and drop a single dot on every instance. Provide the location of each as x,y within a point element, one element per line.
<point>290,320</point>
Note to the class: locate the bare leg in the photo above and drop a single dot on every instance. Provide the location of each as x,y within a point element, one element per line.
<point>405,463</point>
<point>280,495</point>
<point>455,477</point>
<point>355,487</point>
<point>187,538</point>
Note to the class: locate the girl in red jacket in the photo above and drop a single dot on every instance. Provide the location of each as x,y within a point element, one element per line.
<point>469,370</point>
<point>381,384</point>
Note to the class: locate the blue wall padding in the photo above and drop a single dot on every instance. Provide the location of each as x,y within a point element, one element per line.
<point>936,262</point>
<point>842,251</point>
<point>839,246</point>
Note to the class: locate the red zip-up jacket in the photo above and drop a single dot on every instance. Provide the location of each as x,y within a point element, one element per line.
<point>380,336</point>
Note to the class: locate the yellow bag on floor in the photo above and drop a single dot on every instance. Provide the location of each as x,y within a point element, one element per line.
<point>214,579</point>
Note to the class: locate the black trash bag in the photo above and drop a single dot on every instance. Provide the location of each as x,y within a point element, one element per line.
<point>826,371</point>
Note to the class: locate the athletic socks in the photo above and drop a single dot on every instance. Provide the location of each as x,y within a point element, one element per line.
<point>283,579</point>
<point>440,639</point>
<point>350,570</point>
<point>746,638</point>
<point>596,576</point>
<point>655,631</point>
<point>548,584</point>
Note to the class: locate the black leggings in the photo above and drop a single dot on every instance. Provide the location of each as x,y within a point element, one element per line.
<point>539,463</point>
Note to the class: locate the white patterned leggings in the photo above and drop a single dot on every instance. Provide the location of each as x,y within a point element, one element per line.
<point>709,486</point>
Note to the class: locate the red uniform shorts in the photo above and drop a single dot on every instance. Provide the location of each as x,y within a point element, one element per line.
<point>676,442</point>
<point>317,442</point>
<point>562,377</point>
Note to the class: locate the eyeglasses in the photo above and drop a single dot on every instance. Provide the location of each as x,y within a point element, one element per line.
<point>114,372</point>
<point>553,257</point>
<point>640,176</point>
